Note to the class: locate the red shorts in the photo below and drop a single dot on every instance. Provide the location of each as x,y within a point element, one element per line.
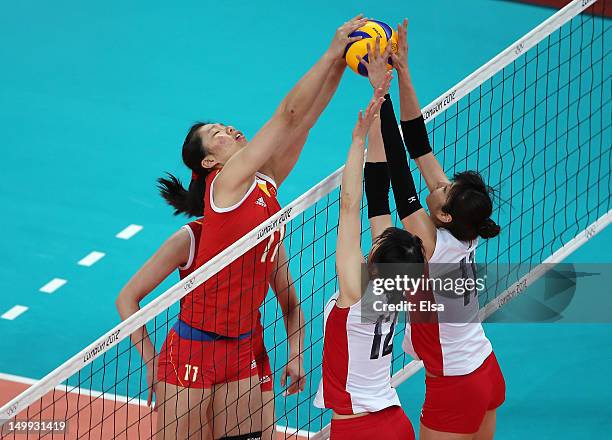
<point>191,363</point>
<point>390,423</point>
<point>261,359</point>
<point>458,404</point>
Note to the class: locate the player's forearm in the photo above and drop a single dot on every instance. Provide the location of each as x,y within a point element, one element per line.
<point>142,341</point>
<point>377,183</point>
<point>271,140</point>
<point>283,160</point>
<point>140,338</point>
<point>294,324</point>
<point>351,188</point>
<point>409,104</point>
<point>404,189</point>
<point>350,204</point>
<point>410,115</point>
<point>431,170</point>
<point>332,81</point>
<point>284,289</point>
<point>300,99</point>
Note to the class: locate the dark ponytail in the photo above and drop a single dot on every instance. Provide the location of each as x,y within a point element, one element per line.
<point>189,202</point>
<point>470,205</point>
<point>488,229</point>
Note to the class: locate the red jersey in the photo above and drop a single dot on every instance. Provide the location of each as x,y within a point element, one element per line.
<point>194,229</point>
<point>228,303</point>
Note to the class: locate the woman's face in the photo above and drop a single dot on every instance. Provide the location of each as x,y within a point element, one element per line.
<point>436,200</point>
<point>222,142</point>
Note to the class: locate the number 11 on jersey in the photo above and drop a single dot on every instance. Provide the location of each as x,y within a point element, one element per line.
<point>273,246</point>
<point>188,370</point>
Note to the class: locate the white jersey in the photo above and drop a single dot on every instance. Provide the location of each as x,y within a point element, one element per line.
<point>356,361</point>
<point>455,344</point>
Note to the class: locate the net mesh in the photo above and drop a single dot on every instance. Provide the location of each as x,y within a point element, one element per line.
<point>539,131</point>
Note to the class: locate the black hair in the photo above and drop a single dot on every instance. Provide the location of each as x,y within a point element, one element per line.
<point>189,202</point>
<point>470,205</point>
<point>396,245</point>
<point>396,252</point>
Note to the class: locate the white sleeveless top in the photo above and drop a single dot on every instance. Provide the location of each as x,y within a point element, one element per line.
<point>457,345</point>
<point>356,361</point>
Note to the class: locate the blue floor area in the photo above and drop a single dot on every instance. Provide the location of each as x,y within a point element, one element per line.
<point>97,100</point>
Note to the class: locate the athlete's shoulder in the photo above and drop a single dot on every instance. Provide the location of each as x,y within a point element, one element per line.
<point>195,226</point>
<point>266,186</point>
<point>449,249</point>
<point>266,178</point>
<point>191,233</point>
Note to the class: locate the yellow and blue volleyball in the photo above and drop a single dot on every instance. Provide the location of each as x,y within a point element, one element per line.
<point>369,32</point>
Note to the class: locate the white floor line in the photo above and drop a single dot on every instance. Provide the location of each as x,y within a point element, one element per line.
<point>53,285</point>
<point>287,430</point>
<point>73,390</point>
<point>91,259</point>
<point>13,312</point>
<point>129,232</point>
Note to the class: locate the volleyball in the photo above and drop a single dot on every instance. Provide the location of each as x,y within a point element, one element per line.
<point>369,32</point>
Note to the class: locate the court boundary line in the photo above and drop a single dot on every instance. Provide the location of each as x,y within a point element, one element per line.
<point>69,389</point>
<point>287,430</point>
<point>258,234</point>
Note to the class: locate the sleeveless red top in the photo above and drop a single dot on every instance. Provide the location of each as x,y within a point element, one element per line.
<point>228,302</point>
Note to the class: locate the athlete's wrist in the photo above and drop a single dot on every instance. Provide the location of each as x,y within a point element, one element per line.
<point>295,354</point>
<point>403,76</point>
<point>358,141</point>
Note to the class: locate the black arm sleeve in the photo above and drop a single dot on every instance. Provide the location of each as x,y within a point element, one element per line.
<point>377,188</point>
<point>404,191</point>
<point>415,137</point>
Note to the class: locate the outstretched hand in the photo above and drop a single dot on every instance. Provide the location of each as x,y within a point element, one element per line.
<point>400,58</point>
<point>376,64</point>
<point>341,39</point>
<point>365,119</point>
<point>293,376</point>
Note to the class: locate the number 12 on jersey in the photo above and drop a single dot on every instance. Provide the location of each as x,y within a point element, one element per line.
<point>388,342</point>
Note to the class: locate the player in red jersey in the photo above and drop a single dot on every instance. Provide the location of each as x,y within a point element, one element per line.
<point>464,384</point>
<point>235,181</point>
<point>180,252</point>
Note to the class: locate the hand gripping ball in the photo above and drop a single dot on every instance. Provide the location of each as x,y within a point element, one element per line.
<point>369,32</point>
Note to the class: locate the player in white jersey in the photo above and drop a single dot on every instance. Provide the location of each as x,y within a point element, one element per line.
<point>356,379</point>
<point>464,384</point>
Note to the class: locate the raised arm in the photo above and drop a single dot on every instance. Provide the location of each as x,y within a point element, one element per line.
<point>349,256</point>
<point>376,172</point>
<point>283,160</point>
<point>413,216</point>
<point>413,125</point>
<point>238,173</point>
<point>377,183</point>
<point>284,289</point>
<point>172,254</point>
